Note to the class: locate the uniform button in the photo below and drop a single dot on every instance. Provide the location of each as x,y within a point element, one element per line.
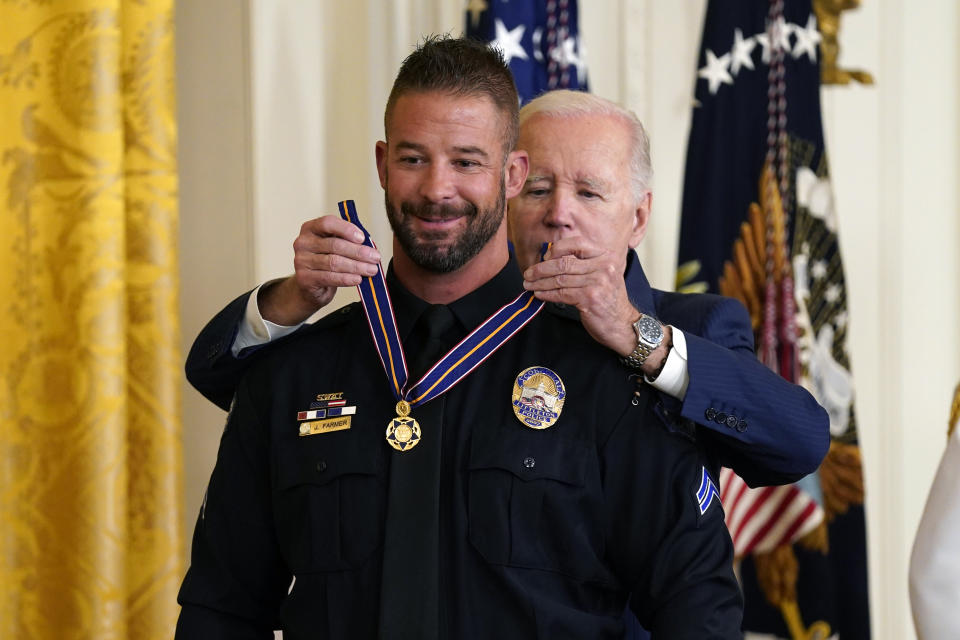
<point>529,462</point>
<point>345,310</point>
<point>322,466</point>
<point>732,422</point>
<point>742,426</point>
<point>711,413</point>
<point>721,418</point>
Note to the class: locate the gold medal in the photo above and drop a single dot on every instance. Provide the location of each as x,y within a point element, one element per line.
<point>403,432</point>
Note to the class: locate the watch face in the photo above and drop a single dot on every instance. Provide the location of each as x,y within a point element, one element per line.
<point>650,330</point>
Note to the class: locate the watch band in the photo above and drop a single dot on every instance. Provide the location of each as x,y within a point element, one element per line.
<point>649,334</point>
<point>637,357</point>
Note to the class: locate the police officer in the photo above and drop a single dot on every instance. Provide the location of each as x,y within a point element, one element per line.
<point>519,485</point>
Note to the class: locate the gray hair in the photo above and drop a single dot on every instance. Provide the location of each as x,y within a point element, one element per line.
<point>563,103</point>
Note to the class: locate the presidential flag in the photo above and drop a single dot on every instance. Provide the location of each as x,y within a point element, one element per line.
<point>758,223</point>
<point>539,39</point>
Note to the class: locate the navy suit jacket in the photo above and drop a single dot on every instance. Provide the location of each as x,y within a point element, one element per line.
<point>750,419</point>
<point>747,418</point>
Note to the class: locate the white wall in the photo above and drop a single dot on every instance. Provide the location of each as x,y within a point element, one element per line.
<point>216,208</point>
<point>643,54</point>
<point>281,103</point>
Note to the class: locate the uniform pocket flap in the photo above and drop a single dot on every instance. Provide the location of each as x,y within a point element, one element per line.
<point>321,465</point>
<point>533,455</point>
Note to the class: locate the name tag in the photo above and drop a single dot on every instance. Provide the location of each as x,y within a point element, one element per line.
<point>324,426</point>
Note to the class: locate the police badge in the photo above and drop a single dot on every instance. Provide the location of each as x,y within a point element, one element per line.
<point>538,395</point>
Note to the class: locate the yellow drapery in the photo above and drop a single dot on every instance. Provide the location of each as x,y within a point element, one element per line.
<point>90,454</point>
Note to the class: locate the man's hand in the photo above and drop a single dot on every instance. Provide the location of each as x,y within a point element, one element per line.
<point>580,274</point>
<point>329,253</point>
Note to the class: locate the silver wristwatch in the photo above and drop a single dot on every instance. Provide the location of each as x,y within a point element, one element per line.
<point>649,336</point>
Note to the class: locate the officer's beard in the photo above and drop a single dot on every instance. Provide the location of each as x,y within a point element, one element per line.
<point>434,251</point>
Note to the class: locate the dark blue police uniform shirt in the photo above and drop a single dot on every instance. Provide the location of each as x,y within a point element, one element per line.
<point>544,533</point>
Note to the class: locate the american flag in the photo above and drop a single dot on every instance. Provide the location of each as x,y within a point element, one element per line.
<point>762,519</point>
<point>539,39</point>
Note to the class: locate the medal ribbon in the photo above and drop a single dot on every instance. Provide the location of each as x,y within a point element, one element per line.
<point>466,356</point>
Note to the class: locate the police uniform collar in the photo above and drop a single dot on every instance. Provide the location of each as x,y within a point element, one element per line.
<point>470,310</point>
<point>638,287</point>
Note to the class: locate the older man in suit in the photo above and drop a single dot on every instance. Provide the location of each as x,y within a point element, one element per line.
<point>589,194</point>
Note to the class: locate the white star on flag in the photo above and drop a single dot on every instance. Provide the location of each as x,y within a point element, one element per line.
<point>782,30</point>
<point>716,71</point>
<point>566,55</point>
<point>581,62</point>
<point>807,39</point>
<point>832,294</point>
<point>840,320</point>
<point>508,41</point>
<point>819,269</point>
<point>765,47</point>
<point>741,52</point>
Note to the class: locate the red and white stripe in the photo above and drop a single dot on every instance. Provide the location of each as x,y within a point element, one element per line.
<point>759,520</point>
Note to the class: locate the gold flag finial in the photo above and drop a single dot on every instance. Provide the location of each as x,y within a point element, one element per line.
<point>828,18</point>
<point>819,630</point>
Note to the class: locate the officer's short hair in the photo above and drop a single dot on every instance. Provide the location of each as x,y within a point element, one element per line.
<point>460,67</point>
<point>563,103</point>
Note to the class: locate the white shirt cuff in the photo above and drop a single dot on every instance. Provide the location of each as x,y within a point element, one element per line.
<point>254,330</point>
<point>675,376</point>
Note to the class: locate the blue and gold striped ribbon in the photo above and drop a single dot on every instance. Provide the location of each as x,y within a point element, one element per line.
<point>466,356</point>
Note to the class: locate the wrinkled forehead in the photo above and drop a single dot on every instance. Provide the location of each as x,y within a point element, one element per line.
<point>413,108</point>
<point>582,147</point>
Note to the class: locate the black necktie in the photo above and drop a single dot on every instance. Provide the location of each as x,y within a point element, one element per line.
<point>410,587</point>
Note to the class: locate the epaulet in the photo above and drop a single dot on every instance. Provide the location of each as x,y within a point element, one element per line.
<point>333,319</point>
<point>566,311</point>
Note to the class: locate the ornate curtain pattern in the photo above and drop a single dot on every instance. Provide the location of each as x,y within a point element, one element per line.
<point>90,454</point>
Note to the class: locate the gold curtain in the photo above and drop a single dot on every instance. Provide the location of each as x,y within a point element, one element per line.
<point>90,454</point>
